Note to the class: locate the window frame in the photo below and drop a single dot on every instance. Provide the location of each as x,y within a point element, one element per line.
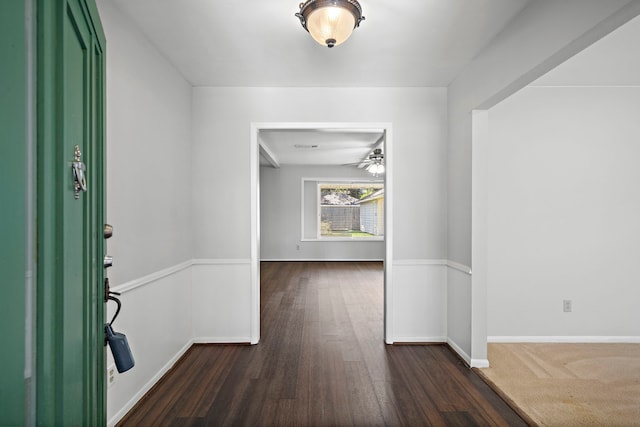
<point>304,237</point>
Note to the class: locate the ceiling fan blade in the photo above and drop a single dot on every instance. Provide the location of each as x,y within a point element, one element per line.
<point>362,162</point>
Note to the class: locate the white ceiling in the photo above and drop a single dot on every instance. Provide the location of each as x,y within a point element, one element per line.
<point>318,146</point>
<point>402,43</point>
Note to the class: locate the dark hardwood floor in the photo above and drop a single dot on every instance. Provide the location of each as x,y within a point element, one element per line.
<point>321,361</point>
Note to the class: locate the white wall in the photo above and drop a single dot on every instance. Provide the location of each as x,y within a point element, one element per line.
<point>148,153</point>
<point>542,36</point>
<point>148,203</point>
<point>280,216</point>
<point>221,124</point>
<point>563,211</point>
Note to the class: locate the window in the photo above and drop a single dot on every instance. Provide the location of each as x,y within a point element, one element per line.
<point>342,210</point>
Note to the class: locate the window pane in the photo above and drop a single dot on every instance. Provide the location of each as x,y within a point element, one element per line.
<point>351,210</point>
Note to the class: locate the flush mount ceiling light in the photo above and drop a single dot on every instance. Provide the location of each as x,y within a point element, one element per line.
<point>330,22</point>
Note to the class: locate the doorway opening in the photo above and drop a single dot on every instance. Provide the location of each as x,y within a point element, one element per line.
<point>385,142</point>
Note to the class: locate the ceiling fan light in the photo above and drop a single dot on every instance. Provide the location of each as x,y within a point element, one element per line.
<point>375,168</point>
<point>330,22</point>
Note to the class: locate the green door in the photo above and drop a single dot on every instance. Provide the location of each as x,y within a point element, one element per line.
<point>70,337</point>
<point>13,212</point>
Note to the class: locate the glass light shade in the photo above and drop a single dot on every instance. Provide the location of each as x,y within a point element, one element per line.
<point>330,22</point>
<point>331,25</point>
<point>376,168</point>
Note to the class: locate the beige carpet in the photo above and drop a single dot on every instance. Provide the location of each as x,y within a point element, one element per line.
<point>570,384</point>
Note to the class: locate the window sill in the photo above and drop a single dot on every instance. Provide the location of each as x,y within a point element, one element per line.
<point>345,239</point>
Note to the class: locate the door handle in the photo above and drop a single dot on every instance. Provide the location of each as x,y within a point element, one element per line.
<point>79,178</point>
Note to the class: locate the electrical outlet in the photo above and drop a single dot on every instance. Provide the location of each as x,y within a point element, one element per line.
<point>297,247</point>
<point>111,375</point>
<point>566,306</point>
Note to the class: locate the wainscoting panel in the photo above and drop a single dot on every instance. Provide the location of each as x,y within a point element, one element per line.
<point>420,301</point>
<point>221,305</point>
<point>459,310</point>
<point>155,317</point>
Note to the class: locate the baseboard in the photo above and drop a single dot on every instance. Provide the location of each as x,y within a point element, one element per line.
<point>145,389</point>
<point>459,351</point>
<point>472,363</point>
<point>565,339</point>
<point>479,363</point>
<point>419,340</point>
<point>401,262</point>
<point>222,340</point>
<point>440,262</point>
<point>318,260</point>
<point>216,261</point>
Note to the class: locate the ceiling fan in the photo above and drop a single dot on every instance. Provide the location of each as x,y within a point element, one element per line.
<point>374,163</point>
